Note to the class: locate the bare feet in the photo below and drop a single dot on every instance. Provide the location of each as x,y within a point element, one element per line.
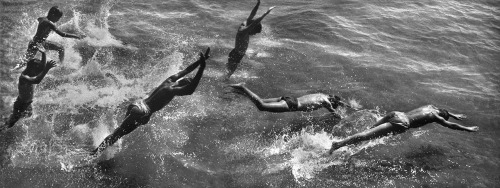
<point>474,129</point>
<point>335,146</point>
<point>237,86</point>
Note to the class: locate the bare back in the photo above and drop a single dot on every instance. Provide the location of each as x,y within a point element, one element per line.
<point>423,115</point>
<point>25,88</point>
<point>312,101</point>
<point>160,97</point>
<point>242,39</point>
<point>26,91</point>
<point>45,26</point>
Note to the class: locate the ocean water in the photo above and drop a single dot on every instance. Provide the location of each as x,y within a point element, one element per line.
<point>382,55</point>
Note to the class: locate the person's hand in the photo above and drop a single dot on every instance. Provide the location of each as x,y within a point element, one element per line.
<point>460,116</point>
<point>474,129</point>
<point>207,53</point>
<point>40,48</point>
<point>205,56</point>
<point>270,8</point>
<point>50,64</point>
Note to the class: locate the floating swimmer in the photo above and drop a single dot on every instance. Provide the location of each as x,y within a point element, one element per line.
<point>289,104</point>
<point>249,27</point>
<point>45,26</point>
<point>399,122</point>
<point>33,74</point>
<point>140,112</point>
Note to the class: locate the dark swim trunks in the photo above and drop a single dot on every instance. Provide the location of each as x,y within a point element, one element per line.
<point>23,108</point>
<point>235,56</point>
<point>32,49</point>
<point>399,119</point>
<point>33,46</point>
<point>292,102</point>
<point>141,110</point>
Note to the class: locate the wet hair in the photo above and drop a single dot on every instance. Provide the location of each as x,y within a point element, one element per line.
<point>256,29</point>
<point>54,12</point>
<point>32,64</point>
<point>444,113</point>
<point>335,100</point>
<point>184,81</point>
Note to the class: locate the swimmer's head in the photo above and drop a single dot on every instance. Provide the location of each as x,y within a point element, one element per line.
<point>184,81</point>
<point>335,100</point>
<point>34,65</point>
<point>54,14</point>
<point>256,29</point>
<point>444,113</point>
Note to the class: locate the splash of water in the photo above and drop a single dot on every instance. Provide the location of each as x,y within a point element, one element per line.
<point>307,151</point>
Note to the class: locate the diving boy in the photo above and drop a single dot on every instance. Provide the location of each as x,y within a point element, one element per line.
<point>247,28</point>
<point>45,26</point>
<point>33,74</point>
<point>140,112</point>
<point>399,122</point>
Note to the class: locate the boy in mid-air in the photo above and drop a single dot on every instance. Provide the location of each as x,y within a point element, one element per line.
<point>399,122</point>
<point>306,103</point>
<point>33,74</point>
<point>139,112</point>
<point>249,27</point>
<point>45,26</point>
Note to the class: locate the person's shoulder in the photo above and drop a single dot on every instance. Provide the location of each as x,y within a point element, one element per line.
<point>22,76</point>
<point>45,21</point>
<point>242,26</point>
<point>316,96</point>
<point>320,95</point>
<point>430,107</point>
<point>42,19</point>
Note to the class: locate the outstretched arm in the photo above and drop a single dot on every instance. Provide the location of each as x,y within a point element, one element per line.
<point>456,126</point>
<point>256,21</point>
<point>184,72</point>
<point>189,89</point>
<point>38,78</point>
<point>63,34</point>
<point>254,11</point>
<point>457,116</point>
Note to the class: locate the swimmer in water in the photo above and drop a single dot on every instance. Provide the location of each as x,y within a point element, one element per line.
<point>140,112</point>
<point>249,27</point>
<point>45,26</point>
<point>33,74</point>
<point>305,103</point>
<point>399,122</point>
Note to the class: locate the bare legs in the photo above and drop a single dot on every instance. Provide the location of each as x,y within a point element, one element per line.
<point>233,61</point>
<point>129,124</point>
<point>48,45</point>
<point>379,129</point>
<point>270,104</point>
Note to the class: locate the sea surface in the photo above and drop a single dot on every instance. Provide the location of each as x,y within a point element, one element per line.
<point>379,55</point>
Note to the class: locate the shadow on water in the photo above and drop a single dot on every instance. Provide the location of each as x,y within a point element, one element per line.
<point>370,167</point>
<point>143,170</point>
<point>7,138</point>
<point>316,123</point>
